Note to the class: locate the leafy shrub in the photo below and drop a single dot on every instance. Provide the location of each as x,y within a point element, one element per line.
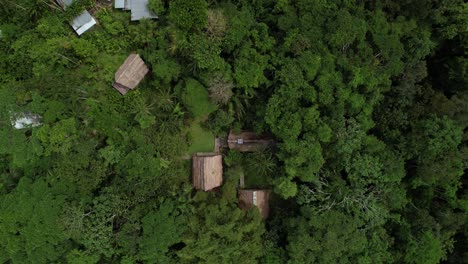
<point>195,97</point>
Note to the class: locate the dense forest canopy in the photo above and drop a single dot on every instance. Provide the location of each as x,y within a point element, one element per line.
<point>367,102</point>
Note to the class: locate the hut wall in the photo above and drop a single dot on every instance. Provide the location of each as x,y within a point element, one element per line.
<point>257,198</point>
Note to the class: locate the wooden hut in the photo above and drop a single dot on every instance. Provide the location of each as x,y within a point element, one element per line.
<point>248,141</point>
<point>207,171</point>
<point>257,198</point>
<point>130,74</point>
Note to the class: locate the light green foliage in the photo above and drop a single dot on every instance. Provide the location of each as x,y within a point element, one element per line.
<point>161,229</point>
<point>310,64</point>
<point>157,6</point>
<point>200,139</point>
<point>164,68</point>
<point>366,103</point>
<point>188,14</point>
<point>364,169</point>
<point>427,249</point>
<point>15,144</point>
<point>249,68</point>
<point>145,119</point>
<point>285,187</point>
<point>259,167</point>
<point>57,138</point>
<point>205,53</point>
<point>436,136</point>
<point>346,29</point>
<point>231,178</point>
<point>239,23</point>
<point>84,50</point>
<point>391,49</point>
<point>222,233</point>
<point>97,224</point>
<point>29,229</point>
<point>79,257</point>
<point>195,98</point>
<point>331,237</point>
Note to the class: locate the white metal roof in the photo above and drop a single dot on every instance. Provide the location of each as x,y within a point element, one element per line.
<point>140,10</point>
<point>119,4</point>
<point>24,120</point>
<point>83,22</point>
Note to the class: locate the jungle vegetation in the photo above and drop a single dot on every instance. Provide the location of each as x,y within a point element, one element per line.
<point>367,101</point>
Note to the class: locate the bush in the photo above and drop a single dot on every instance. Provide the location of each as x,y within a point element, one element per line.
<point>195,98</point>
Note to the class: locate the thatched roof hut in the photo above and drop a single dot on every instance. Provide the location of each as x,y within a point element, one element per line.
<point>207,171</point>
<point>257,198</point>
<point>130,74</point>
<point>246,141</point>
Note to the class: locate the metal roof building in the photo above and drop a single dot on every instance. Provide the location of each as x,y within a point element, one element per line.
<point>25,120</point>
<point>119,4</point>
<point>81,23</point>
<point>139,8</point>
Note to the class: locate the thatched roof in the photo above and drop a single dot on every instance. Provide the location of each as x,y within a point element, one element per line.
<point>257,198</point>
<point>207,171</point>
<point>248,141</point>
<point>130,74</point>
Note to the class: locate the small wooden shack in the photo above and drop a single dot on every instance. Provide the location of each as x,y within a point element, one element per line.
<point>257,198</point>
<point>207,171</point>
<point>246,141</point>
<point>130,74</point>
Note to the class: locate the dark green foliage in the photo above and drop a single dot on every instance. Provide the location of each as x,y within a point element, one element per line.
<point>367,104</point>
<point>161,230</point>
<point>222,233</point>
<point>29,223</point>
<point>333,237</point>
<point>188,14</point>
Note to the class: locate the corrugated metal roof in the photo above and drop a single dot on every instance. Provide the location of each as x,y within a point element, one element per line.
<point>67,2</point>
<point>64,3</point>
<point>83,22</point>
<point>140,10</point>
<point>119,4</point>
<point>24,120</point>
